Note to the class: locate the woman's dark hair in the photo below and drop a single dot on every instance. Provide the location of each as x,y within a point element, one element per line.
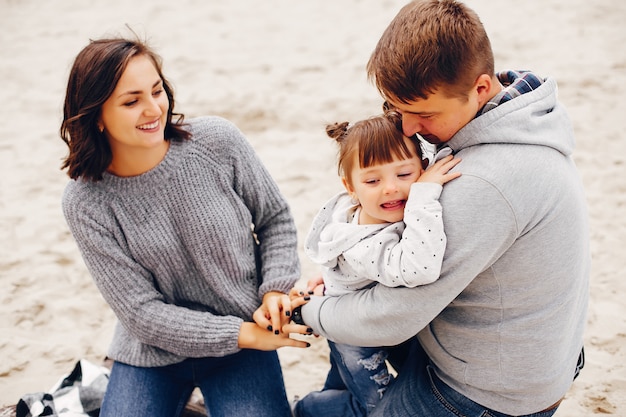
<point>93,77</point>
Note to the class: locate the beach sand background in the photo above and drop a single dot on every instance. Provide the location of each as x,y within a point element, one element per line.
<point>281,70</point>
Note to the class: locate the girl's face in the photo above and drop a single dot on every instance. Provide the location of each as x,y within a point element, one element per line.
<point>135,114</point>
<point>382,190</point>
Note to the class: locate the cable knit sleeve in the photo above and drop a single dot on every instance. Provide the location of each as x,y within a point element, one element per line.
<point>271,216</point>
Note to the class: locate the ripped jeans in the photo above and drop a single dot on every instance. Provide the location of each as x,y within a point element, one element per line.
<point>356,381</point>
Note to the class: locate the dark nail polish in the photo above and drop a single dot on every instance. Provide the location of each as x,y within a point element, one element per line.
<point>270,328</point>
<point>310,292</point>
<point>308,344</point>
<point>307,298</point>
<point>308,329</point>
<point>288,313</point>
<point>276,332</point>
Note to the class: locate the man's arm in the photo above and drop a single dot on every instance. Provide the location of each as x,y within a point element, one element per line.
<point>479,225</point>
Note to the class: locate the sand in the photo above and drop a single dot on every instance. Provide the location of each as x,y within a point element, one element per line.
<point>280,70</point>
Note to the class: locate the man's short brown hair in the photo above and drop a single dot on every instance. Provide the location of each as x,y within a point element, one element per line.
<point>431,45</point>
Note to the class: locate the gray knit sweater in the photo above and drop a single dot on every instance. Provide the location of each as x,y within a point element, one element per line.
<point>173,252</point>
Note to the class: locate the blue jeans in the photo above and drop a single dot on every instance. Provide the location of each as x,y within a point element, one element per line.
<point>419,392</point>
<point>248,383</point>
<point>356,382</point>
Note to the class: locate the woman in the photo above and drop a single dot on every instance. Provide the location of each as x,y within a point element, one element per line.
<point>186,236</point>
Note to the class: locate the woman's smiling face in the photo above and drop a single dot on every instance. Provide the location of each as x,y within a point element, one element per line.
<point>135,114</point>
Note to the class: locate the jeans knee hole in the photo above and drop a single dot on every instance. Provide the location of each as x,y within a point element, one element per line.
<point>374,361</point>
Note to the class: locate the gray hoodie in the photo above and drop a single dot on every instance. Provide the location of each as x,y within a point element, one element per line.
<point>503,324</point>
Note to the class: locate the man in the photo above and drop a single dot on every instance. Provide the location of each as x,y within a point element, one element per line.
<point>501,332</point>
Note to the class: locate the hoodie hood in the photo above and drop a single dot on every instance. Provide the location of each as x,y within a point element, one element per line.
<point>333,232</point>
<point>537,111</point>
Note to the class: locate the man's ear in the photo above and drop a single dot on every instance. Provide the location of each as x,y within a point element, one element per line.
<point>484,88</point>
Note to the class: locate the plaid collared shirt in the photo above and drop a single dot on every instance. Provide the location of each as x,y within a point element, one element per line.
<point>515,84</point>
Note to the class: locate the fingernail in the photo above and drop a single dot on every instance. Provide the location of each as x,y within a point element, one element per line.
<point>310,292</point>
<point>308,344</point>
<point>270,328</point>
<point>288,313</point>
<point>307,298</point>
<point>276,332</point>
<point>301,293</point>
<point>308,329</point>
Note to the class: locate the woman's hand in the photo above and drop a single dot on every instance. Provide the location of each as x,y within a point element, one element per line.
<point>274,312</point>
<point>298,298</point>
<point>315,286</point>
<point>251,336</point>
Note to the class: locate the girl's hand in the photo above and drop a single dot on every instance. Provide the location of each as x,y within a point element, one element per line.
<point>274,312</point>
<point>439,171</point>
<point>251,336</point>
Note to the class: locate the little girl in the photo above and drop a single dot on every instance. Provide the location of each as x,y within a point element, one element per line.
<point>358,239</point>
